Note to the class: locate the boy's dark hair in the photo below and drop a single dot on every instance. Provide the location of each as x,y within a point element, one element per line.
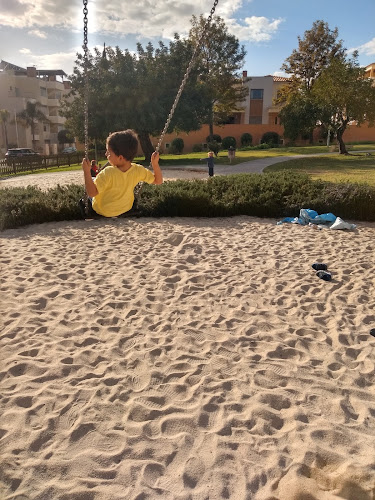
<point>123,143</point>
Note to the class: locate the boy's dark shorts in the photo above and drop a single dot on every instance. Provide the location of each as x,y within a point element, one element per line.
<point>88,212</point>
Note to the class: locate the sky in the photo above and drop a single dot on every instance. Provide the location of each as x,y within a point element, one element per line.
<point>49,33</point>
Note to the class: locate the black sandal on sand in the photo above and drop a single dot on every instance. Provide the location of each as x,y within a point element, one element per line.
<point>324,275</point>
<point>319,266</point>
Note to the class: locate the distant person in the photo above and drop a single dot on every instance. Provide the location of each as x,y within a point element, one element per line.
<point>210,163</point>
<point>231,153</point>
<point>94,168</point>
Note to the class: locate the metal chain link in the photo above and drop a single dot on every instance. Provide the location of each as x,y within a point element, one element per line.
<point>192,60</point>
<point>86,79</point>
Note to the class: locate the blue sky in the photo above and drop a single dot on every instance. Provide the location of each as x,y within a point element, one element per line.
<point>48,33</point>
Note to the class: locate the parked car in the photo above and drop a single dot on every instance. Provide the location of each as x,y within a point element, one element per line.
<point>70,149</point>
<point>16,152</point>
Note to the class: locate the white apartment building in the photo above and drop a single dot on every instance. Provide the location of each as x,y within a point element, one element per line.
<point>258,107</point>
<point>17,87</point>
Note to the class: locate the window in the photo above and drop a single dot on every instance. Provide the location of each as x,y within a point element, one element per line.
<point>43,92</point>
<point>255,120</point>
<point>275,120</point>
<point>256,94</point>
<point>166,145</point>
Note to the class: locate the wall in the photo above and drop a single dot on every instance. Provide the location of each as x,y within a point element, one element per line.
<point>199,137</point>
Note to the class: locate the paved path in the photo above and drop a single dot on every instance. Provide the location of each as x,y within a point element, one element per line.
<point>48,180</point>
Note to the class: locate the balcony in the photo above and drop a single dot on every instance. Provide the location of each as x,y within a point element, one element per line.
<point>56,120</point>
<point>53,103</point>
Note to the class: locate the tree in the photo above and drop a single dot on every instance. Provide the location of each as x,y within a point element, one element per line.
<point>319,47</point>
<point>316,50</point>
<point>4,116</point>
<point>135,91</point>
<point>65,137</point>
<point>219,60</point>
<point>30,116</point>
<point>300,115</point>
<point>344,95</point>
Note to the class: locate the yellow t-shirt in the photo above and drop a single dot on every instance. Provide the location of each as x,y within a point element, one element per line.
<point>116,189</point>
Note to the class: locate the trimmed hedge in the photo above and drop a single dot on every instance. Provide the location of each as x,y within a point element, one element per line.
<point>228,142</point>
<point>246,139</point>
<point>274,195</point>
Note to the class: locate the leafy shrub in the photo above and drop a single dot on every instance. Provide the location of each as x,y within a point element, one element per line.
<point>246,139</point>
<point>197,148</point>
<point>270,138</point>
<point>274,194</point>
<point>227,142</point>
<point>177,146</point>
<point>215,138</point>
<point>214,146</point>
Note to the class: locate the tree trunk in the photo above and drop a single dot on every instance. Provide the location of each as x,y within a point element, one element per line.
<point>5,135</point>
<point>146,144</point>
<point>33,136</point>
<point>211,124</point>
<point>339,134</point>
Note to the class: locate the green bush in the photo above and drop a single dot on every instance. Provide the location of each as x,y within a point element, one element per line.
<point>214,146</point>
<point>177,146</point>
<point>276,195</point>
<point>215,138</point>
<point>197,148</point>
<point>270,138</point>
<point>246,139</point>
<point>227,142</point>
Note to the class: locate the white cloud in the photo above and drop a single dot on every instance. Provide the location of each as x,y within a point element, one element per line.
<point>37,33</point>
<point>59,60</point>
<point>144,18</point>
<point>367,49</point>
<point>25,51</point>
<point>254,29</point>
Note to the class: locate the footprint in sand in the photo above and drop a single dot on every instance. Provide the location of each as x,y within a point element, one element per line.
<point>174,239</point>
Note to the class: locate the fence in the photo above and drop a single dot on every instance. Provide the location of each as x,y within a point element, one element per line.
<point>14,166</point>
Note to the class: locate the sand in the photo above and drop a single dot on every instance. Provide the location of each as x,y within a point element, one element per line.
<point>186,359</point>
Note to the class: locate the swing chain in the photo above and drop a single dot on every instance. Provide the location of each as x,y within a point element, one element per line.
<point>86,79</point>
<point>192,60</point>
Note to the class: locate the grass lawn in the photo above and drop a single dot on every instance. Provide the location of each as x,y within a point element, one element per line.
<point>324,164</point>
<point>336,168</point>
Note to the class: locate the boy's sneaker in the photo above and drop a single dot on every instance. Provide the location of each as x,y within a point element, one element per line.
<point>82,208</point>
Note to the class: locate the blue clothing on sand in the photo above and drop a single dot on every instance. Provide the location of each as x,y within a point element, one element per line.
<point>308,216</point>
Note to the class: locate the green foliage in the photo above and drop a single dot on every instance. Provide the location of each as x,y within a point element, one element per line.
<point>220,59</point>
<point>30,116</point>
<point>64,137</point>
<point>319,47</point>
<point>228,141</point>
<point>273,195</point>
<point>215,137</point>
<point>136,91</point>
<point>23,206</point>
<point>299,116</point>
<point>214,146</point>
<point>270,138</point>
<point>197,148</point>
<point>177,146</point>
<point>344,95</point>
<point>246,139</point>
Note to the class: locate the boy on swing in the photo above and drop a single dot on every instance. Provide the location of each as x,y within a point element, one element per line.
<point>112,190</point>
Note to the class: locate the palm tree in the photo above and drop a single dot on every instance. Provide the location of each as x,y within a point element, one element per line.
<point>4,115</point>
<point>29,117</point>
